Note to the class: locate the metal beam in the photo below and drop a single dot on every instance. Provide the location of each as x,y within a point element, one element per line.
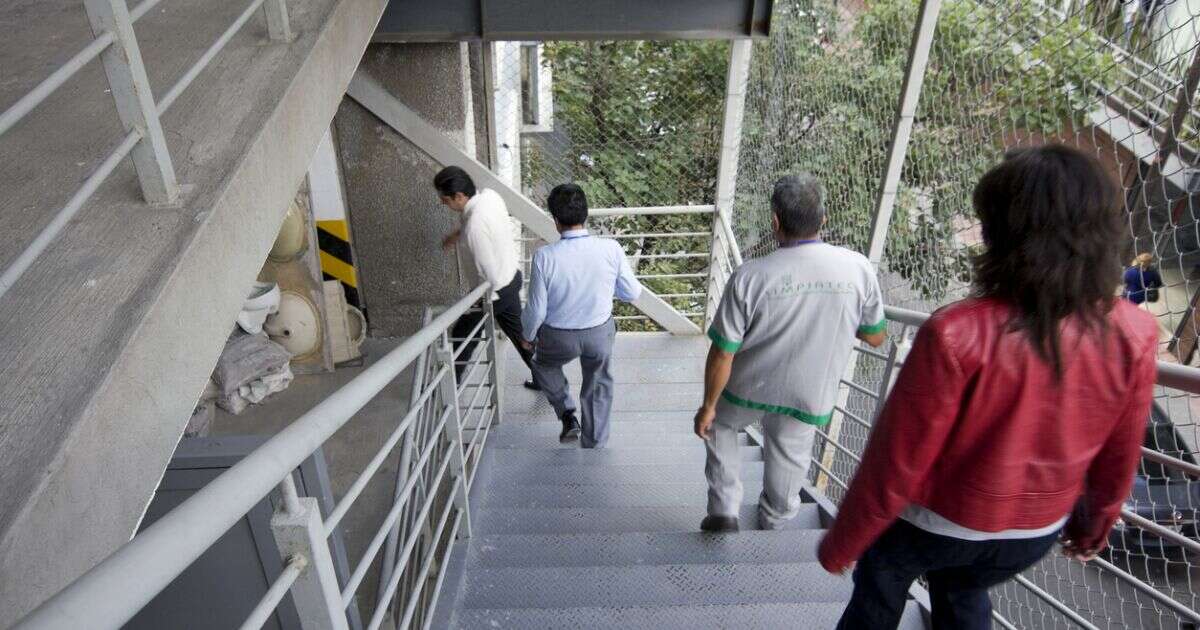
<point>470,20</point>
<point>373,96</point>
<point>914,77</point>
<point>736,78</point>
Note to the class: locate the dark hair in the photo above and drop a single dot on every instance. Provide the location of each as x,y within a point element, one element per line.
<point>452,180</point>
<point>796,201</point>
<point>1051,226</point>
<point>568,204</point>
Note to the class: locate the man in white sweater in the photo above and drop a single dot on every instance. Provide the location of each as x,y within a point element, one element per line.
<point>487,231</point>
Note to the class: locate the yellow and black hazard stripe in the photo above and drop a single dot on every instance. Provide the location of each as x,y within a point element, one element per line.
<point>337,258</point>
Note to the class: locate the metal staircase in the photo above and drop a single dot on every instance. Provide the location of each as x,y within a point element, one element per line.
<point>569,538</point>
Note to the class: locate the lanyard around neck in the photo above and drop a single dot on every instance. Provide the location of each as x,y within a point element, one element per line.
<point>798,243</point>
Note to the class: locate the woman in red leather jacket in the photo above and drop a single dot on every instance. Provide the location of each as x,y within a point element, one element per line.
<point>1019,413</point>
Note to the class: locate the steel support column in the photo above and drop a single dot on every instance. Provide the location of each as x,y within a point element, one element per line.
<point>914,77</point>
<point>738,75</point>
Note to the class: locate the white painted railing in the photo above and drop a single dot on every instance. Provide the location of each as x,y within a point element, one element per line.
<point>441,436</point>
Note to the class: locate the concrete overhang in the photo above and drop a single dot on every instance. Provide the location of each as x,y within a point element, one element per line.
<point>524,20</point>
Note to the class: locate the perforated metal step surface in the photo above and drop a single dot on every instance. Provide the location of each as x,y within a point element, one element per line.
<point>626,397</point>
<point>517,471</point>
<point>804,616</point>
<point>644,548</point>
<point>673,584</point>
<point>626,455</point>
<point>563,520</point>
<point>587,495</point>
<point>546,436</point>
<point>617,418</point>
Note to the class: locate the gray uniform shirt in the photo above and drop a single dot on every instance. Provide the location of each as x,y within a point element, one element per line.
<point>791,318</point>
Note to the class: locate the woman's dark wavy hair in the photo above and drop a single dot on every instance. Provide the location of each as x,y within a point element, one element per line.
<point>1051,226</point>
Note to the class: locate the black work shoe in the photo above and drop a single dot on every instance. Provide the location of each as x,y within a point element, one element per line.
<point>719,523</point>
<point>532,385</point>
<point>570,430</point>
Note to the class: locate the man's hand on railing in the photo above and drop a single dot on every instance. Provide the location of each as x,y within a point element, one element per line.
<point>451,239</point>
<point>528,345</point>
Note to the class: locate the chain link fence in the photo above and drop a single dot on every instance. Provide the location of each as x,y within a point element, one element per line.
<point>1115,79</point>
<point>637,124</point>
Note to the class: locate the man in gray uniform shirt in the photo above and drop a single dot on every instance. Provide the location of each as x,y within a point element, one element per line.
<point>781,338</point>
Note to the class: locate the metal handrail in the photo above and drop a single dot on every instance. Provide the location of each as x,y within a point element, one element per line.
<point>27,103</point>
<point>648,210</point>
<point>112,592</point>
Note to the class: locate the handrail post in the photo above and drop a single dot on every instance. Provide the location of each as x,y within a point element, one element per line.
<point>495,372</point>
<point>299,531</point>
<point>279,27</point>
<point>448,387</point>
<point>889,370</point>
<point>135,102</point>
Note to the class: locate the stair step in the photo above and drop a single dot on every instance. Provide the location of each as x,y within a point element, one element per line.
<point>607,495</point>
<point>548,438</point>
<point>643,548</point>
<point>651,345</point>
<point>652,585</point>
<point>741,616</point>
<point>625,456</point>
<point>519,472</point>
<point>683,417</point>
<point>550,428</point>
<point>626,397</point>
<point>627,370</point>
<point>606,520</point>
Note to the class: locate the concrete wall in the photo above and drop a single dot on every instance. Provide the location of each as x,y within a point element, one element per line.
<point>394,212</point>
<point>108,341</point>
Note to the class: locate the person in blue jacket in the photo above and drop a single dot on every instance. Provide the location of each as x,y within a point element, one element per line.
<point>1142,280</point>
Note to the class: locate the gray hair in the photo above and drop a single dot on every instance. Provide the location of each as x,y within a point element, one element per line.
<point>798,203</point>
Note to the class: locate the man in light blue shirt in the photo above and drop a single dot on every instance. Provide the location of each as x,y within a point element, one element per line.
<point>568,315</point>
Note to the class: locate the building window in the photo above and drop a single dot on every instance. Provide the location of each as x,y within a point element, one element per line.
<point>529,84</point>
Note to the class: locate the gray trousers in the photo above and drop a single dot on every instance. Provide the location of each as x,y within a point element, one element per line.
<point>593,347</point>
<point>787,452</point>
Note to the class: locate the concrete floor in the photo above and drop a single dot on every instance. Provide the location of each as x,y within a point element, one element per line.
<point>347,452</point>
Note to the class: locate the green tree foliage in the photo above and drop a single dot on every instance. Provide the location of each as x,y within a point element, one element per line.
<point>643,125</point>
<point>997,71</point>
<point>642,121</point>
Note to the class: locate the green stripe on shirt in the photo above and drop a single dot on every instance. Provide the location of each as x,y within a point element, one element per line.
<point>802,416</point>
<point>723,343</point>
<point>874,328</point>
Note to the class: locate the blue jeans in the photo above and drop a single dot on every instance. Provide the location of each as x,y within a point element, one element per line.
<point>959,573</point>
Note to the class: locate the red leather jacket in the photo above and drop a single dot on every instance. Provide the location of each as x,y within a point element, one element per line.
<point>978,429</point>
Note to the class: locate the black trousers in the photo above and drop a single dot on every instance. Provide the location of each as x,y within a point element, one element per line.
<point>959,573</point>
<point>508,318</point>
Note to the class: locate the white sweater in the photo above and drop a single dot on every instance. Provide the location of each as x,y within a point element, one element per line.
<point>488,232</point>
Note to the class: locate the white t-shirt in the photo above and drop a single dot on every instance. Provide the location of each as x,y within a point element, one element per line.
<point>488,232</point>
<point>791,319</point>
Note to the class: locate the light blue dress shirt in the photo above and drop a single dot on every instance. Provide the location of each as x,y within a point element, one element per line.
<point>572,283</point>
